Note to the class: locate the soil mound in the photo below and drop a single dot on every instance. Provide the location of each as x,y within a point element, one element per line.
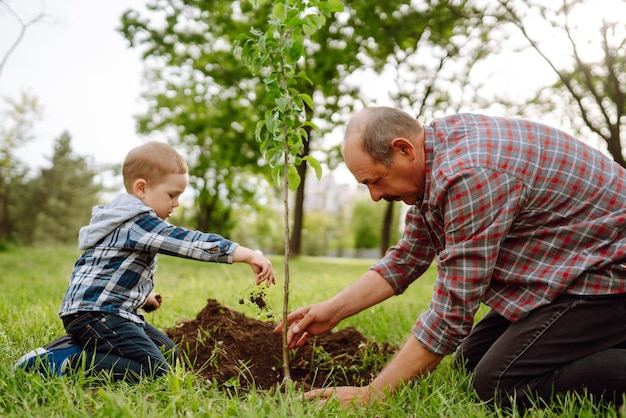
<point>223,344</point>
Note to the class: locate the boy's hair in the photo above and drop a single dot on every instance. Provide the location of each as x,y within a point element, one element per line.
<point>152,161</point>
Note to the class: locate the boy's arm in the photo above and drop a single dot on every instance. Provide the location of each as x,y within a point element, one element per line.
<point>151,234</point>
<point>259,263</point>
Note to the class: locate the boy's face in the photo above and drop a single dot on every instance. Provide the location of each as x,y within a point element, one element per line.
<point>163,197</point>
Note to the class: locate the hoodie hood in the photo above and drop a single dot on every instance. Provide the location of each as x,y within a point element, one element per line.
<point>106,218</point>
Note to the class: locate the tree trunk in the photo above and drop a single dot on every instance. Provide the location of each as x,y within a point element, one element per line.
<point>295,243</point>
<point>385,235</point>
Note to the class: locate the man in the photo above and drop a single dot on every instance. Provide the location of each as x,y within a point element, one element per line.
<point>516,215</point>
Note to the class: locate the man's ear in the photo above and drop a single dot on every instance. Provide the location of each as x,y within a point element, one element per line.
<point>403,147</point>
<point>139,188</point>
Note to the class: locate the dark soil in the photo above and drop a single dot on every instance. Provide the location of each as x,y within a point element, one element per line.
<point>227,347</point>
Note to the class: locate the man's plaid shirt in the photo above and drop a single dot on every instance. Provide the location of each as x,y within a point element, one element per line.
<point>514,213</point>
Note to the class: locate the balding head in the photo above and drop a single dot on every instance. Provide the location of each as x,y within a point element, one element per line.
<point>373,128</point>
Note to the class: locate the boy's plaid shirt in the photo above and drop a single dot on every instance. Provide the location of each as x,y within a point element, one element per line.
<point>116,276</point>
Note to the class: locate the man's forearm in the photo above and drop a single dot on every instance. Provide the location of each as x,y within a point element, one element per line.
<point>412,361</point>
<point>370,289</point>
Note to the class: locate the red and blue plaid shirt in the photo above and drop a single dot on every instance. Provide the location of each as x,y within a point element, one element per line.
<point>515,213</point>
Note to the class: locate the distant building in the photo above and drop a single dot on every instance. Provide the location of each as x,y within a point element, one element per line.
<point>327,195</point>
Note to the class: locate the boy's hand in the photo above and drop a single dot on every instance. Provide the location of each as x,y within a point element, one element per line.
<point>263,269</point>
<point>261,266</point>
<point>153,302</point>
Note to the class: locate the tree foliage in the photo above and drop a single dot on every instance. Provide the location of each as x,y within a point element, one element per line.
<point>16,125</point>
<point>586,53</point>
<point>65,193</point>
<point>201,96</point>
<point>52,206</point>
<point>366,218</point>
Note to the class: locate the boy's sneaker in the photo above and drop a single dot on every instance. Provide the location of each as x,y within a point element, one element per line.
<point>51,359</point>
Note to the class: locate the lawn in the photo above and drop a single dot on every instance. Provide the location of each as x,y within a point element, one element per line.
<point>33,282</point>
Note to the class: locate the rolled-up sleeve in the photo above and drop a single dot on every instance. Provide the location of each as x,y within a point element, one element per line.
<point>410,257</point>
<point>479,206</point>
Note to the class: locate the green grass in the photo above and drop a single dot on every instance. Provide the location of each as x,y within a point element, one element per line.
<point>32,283</point>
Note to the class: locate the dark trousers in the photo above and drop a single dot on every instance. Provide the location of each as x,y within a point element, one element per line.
<point>127,350</point>
<point>574,344</point>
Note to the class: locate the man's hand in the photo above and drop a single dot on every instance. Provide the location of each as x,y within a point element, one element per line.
<point>348,396</point>
<point>310,320</point>
<point>411,362</point>
<point>153,302</point>
<point>368,290</point>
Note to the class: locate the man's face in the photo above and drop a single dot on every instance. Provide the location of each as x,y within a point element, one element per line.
<point>400,181</point>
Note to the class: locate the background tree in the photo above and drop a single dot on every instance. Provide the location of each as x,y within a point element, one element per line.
<point>366,213</point>
<point>16,123</point>
<point>583,43</point>
<point>365,237</point>
<point>51,206</point>
<point>431,73</point>
<point>63,196</point>
<point>261,229</point>
<point>16,130</point>
<point>202,97</point>
<point>328,234</point>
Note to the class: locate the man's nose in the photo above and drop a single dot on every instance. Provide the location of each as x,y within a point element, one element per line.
<point>376,195</point>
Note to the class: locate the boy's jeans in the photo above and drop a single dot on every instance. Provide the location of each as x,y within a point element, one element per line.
<point>128,350</point>
<point>574,344</point>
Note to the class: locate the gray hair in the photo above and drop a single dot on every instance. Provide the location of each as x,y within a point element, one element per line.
<point>378,126</point>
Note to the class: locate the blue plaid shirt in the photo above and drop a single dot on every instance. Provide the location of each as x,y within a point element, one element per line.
<point>121,246</point>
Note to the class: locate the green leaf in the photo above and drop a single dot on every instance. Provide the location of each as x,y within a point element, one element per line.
<point>274,157</point>
<point>295,22</point>
<point>335,5</point>
<point>315,164</point>
<point>307,99</point>
<point>279,11</point>
<point>294,48</point>
<point>259,127</point>
<point>293,177</point>
<point>313,24</point>
<point>281,103</point>
<point>304,76</point>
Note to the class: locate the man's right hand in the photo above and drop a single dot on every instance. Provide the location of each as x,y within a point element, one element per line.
<point>368,290</point>
<point>308,321</point>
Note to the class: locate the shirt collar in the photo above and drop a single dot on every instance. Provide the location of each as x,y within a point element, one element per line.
<point>429,156</point>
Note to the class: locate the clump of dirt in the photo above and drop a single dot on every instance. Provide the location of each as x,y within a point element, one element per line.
<point>226,346</point>
<point>256,298</point>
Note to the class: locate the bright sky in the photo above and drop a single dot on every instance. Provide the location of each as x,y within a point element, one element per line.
<point>80,68</point>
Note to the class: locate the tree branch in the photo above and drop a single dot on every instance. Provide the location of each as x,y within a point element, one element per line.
<point>23,27</point>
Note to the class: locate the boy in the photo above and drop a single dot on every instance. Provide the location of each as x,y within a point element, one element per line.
<point>113,277</point>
